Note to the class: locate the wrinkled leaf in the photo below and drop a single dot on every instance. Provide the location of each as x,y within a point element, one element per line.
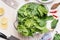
<point>54,23</point>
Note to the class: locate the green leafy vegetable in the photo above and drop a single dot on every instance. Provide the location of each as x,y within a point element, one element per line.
<point>56,37</point>
<point>54,23</point>
<point>49,18</point>
<point>22,29</point>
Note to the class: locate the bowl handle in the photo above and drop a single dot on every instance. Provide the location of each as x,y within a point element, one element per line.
<point>15,24</point>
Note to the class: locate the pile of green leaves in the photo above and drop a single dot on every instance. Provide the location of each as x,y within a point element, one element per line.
<point>56,37</point>
<point>32,18</point>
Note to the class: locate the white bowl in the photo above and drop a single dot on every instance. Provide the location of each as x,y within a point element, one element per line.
<point>48,1</point>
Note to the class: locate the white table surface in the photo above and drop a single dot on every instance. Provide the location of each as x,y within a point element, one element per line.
<point>11,14</point>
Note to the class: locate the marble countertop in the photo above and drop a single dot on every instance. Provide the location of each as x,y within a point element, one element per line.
<point>11,14</point>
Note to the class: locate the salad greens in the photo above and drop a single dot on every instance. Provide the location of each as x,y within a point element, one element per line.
<point>56,37</point>
<point>54,23</point>
<point>32,18</point>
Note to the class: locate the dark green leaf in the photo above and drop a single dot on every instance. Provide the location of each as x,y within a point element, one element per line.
<point>56,37</point>
<point>54,23</point>
<point>49,18</point>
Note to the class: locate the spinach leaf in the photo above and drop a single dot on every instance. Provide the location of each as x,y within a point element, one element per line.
<point>49,18</point>
<point>56,37</point>
<point>54,23</point>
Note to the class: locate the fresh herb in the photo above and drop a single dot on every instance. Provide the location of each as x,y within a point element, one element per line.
<point>56,37</point>
<point>54,23</point>
<point>49,18</point>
